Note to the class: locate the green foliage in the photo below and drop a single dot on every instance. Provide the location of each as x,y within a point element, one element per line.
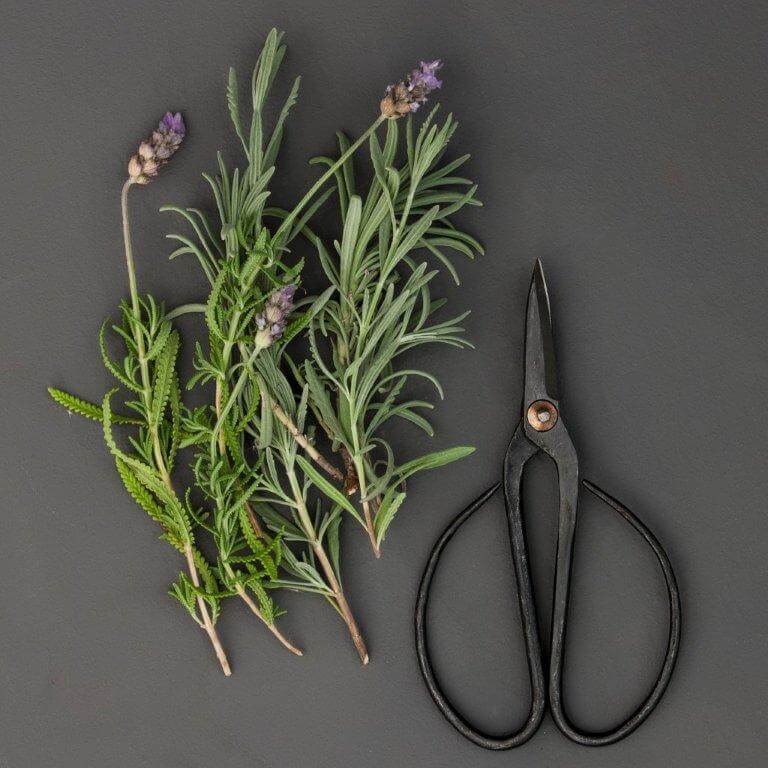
<point>245,560</point>
<point>148,376</point>
<point>244,267</point>
<point>382,306</point>
<point>264,495</point>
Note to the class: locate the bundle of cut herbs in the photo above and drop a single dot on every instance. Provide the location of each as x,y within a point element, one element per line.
<point>298,387</point>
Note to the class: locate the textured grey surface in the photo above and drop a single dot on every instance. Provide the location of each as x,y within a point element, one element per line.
<point>622,142</point>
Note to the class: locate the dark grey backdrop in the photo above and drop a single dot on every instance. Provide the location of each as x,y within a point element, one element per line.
<point>622,142</point>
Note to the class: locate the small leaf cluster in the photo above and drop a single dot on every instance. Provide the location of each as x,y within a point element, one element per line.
<point>245,561</point>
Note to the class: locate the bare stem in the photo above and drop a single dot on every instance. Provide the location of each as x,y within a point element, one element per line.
<point>317,547</point>
<point>271,627</point>
<point>368,513</point>
<point>129,249</point>
<point>254,521</point>
<point>207,624</point>
<point>341,601</point>
<point>370,528</point>
<point>303,441</point>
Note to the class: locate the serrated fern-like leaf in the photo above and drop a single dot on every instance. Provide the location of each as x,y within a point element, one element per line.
<point>212,303</point>
<point>160,341</point>
<point>175,406</point>
<point>84,408</point>
<point>165,370</point>
<point>204,569</point>
<point>268,608</point>
<point>146,475</point>
<point>184,591</point>
<point>245,526</point>
<point>110,365</point>
<point>140,494</point>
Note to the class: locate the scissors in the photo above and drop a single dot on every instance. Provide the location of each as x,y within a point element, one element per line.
<point>542,429</point>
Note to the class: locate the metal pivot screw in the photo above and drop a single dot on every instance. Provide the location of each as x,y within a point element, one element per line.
<point>542,415</point>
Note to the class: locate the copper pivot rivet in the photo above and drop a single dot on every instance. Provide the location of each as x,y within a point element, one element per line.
<point>542,415</point>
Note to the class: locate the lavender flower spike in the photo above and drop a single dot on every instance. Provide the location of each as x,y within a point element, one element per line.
<point>155,151</point>
<point>272,320</point>
<point>409,94</point>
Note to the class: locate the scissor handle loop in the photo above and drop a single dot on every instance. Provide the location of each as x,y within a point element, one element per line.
<point>673,645</point>
<point>513,475</point>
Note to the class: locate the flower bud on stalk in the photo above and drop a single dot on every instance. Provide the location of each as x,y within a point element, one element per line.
<point>272,320</point>
<point>410,93</point>
<point>155,151</point>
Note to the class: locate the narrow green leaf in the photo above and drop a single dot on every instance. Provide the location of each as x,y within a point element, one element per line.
<point>433,460</point>
<point>119,374</point>
<point>139,493</point>
<point>386,513</point>
<point>333,493</point>
<point>234,107</point>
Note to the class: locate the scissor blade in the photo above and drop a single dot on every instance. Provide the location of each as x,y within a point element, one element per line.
<point>540,363</point>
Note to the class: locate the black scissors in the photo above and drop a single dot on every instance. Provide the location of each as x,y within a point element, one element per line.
<point>541,428</point>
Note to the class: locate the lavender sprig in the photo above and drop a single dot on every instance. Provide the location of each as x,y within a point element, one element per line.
<point>400,99</point>
<point>149,374</point>
<point>382,307</point>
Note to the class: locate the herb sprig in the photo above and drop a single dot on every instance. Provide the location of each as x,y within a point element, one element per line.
<point>272,496</point>
<point>149,379</point>
<point>381,308</point>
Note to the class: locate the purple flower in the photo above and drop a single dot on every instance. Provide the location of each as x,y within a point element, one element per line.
<point>284,296</point>
<point>424,78</point>
<point>409,94</point>
<point>271,321</point>
<point>175,123</point>
<point>158,149</point>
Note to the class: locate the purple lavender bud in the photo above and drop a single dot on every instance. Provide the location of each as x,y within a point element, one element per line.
<point>271,322</point>
<point>158,149</point>
<point>424,77</point>
<point>285,296</point>
<point>175,123</point>
<point>410,93</point>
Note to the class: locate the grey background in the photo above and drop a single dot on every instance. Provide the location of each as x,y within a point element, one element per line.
<point>622,142</point>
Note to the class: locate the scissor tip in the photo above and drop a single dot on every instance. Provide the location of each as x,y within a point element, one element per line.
<point>538,281</point>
